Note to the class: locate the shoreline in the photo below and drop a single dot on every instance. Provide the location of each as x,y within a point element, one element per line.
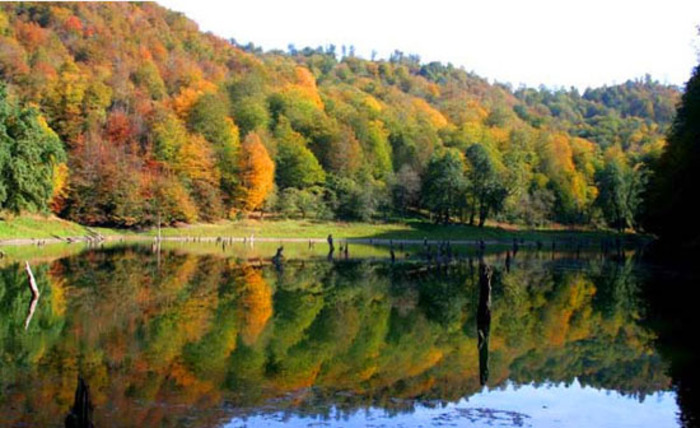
<point>28,230</point>
<point>584,242</point>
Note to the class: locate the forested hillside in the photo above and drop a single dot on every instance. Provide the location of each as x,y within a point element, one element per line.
<point>160,121</point>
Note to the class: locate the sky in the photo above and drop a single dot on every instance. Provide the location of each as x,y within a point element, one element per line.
<point>535,42</point>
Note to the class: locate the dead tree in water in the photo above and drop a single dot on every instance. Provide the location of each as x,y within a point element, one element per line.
<point>32,281</point>
<point>483,321</point>
<point>277,258</point>
<point>80,415</point>
<point>35,295</point>
<point>331,248</point>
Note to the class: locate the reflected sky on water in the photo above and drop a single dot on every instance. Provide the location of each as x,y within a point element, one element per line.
<point>512,406</point>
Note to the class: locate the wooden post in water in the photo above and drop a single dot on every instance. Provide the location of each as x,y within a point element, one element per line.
<point>331,248</point>
<point>80,415</point>
<point>277,258</point>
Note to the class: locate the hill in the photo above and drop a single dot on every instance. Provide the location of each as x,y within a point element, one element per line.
<point>162,123</point>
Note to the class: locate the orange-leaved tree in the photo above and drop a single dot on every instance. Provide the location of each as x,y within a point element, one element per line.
<point>257,173</point>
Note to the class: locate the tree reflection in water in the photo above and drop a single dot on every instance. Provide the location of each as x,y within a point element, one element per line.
<point>195,338</point>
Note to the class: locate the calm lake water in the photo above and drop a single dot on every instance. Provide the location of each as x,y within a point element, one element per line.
<point>207,335</point>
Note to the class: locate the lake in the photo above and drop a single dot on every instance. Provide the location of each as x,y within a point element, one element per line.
<point>210,334</point>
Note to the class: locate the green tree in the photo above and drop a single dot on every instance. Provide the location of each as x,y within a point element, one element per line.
<point>29,150</point>
<point>296,164</point>
<point>487,185</point>
<point>406,189</point>
<point>209,118</point>
<point>444,184</point>
<point>620,188</point>
<point>248,103</point>
<point>673,192</point>
<point>306,203</point>
<point>354,199</point>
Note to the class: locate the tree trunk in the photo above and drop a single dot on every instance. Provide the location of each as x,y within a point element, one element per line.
<point>483,212</point>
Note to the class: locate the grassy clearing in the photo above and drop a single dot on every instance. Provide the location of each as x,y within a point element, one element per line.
<point>409,230</point>
<point>38,227</point>
<point>35,226</point>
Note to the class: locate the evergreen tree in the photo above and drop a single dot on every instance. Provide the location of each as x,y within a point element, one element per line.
<point>672,195</point>
<point>29,151</point>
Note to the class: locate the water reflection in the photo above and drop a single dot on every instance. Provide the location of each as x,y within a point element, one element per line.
<point>483,318</point>
<point>178,338</point>
<point>555,405</point>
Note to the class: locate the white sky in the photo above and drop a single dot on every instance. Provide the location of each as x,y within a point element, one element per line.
<point>532,42</point>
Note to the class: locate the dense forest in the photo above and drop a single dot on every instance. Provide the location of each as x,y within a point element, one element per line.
<point>672,193</point>
<point>125,114</point>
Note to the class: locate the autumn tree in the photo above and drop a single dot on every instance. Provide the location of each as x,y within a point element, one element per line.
<point>208,117</point>
<point>105,184</point>
<point>257,173</point>
<point>64,102</point>
<point>196,165</point>
<point>168,136</point>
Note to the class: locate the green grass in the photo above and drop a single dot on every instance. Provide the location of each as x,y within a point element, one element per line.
<point>413,229</point>
<point>38,227</point>
<point>35,226</point>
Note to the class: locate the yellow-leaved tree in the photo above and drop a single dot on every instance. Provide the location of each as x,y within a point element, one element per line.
<point>257,173</point>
